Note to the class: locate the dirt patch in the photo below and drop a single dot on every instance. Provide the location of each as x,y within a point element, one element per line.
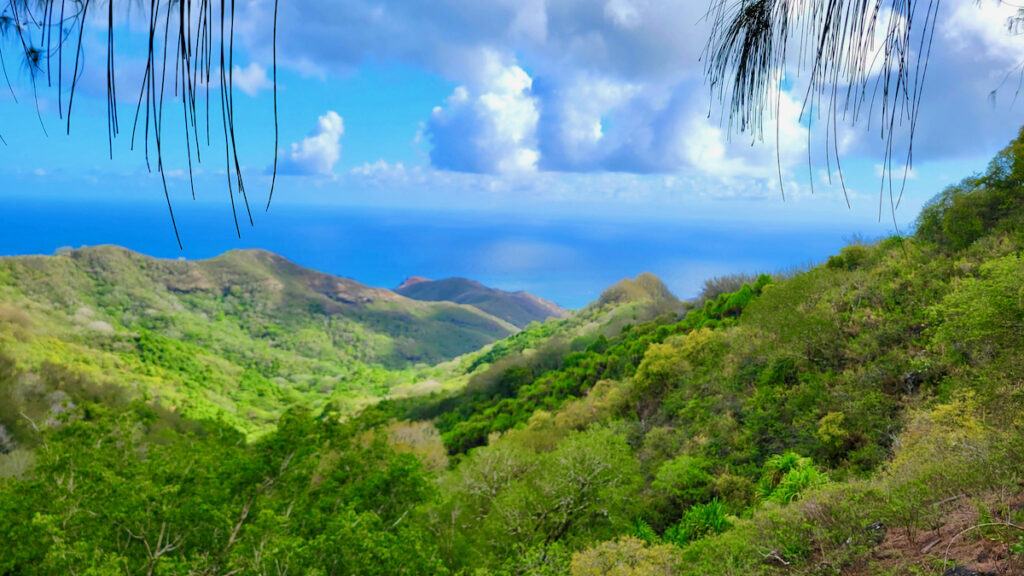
<point>956,539</point>
<point>188,281</point>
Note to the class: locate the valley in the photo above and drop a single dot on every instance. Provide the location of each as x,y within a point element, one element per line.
<point>862,416</point>
<point>241,336</point>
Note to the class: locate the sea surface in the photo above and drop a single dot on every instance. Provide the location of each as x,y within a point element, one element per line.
<point>567,260</point>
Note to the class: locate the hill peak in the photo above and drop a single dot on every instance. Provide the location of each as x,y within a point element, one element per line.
<point>412,281</point>
<point>645,287</point>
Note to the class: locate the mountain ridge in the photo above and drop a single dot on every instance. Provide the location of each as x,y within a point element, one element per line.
<point>519,308</point>
<point>240,336</point>
<point>412,281</point>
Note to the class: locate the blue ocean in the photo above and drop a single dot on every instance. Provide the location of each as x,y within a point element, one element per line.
<point>564,259</point>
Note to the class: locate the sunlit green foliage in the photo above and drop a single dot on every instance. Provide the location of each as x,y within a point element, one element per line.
<point>626,557</point>
<point>979,205</point>
<point>240,337</point>
<point>785,426</point>
<point>785,476</point>
<point>138,490</point>
<point>699,521</point>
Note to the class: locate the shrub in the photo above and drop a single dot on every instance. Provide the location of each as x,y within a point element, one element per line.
<point>698,522</point>
<point>715,287</point>
<point>626,557</point>
<point>786,476</point>
<point>643,531</point>
<point>795,482</point>
<point>849,258</point>
<point>968,211</point>
<point>683,481</point>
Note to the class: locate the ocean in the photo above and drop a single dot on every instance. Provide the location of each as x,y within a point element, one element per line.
<point>569,260</point>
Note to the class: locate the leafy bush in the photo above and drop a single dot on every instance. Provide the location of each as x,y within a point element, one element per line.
<point>786,476</point>
<point>679,484</point>
<point>849,258</point>
<point>643,531</point>
<point>715,287</point>
<point>626,557</point>
<point>698,522</point>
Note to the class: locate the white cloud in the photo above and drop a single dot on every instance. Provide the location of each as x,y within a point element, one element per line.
<point>252,79</point>
<point>710,150</point>
<point>617,85</point>
<point>574,135</point>
<point>320,151</point>
<point>984,24</point>
<point>380,168</point>
<point>386,175</point>
<point>490,127</point>
<point>530,23</point>
<point>897,173</point>
<point>590,59</point>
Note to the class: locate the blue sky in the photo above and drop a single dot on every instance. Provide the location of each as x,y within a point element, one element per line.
<point>490,115</point>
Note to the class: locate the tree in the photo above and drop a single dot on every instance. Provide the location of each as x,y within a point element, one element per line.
<point>509,501</point>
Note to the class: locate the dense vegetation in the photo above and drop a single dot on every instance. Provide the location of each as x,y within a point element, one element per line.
<point>865,416</point>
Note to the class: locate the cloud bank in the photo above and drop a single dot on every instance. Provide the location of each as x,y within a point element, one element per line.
<point>616,85</point>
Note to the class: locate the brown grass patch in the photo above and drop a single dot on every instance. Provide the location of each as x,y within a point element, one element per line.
<point>955,539</point>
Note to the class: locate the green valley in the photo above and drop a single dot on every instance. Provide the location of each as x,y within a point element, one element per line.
<point>240,337</point>
<point>242,415</point>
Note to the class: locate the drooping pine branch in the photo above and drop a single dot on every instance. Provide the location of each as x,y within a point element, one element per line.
<point>862,61</point>
<point>181,39</point>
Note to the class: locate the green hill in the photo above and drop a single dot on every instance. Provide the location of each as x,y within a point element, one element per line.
<point>644,288</point>
<point>517,308</point>
<point>862,418</point>
<point>247,333</point>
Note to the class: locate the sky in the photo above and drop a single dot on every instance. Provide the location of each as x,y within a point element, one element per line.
<point>498,134</point>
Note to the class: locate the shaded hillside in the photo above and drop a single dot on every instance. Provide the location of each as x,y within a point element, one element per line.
<point>542,366</point>
<point>518,308</point>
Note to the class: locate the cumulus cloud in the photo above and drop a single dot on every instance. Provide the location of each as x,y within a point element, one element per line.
<point>319,152</point>
<point>623,13</point>
<point>542,84</point>
<point>490,127</point>
<point>386,175</point>
<point>578,112</point>
<point>896,173</point>
<point>380,168</point>
<point>442,188</point>
<point>617,85</point>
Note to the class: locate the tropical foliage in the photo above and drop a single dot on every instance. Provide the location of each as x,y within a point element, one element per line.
<point>803,424</point>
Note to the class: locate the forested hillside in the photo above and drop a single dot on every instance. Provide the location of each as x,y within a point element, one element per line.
<point>865,416</point>
<point>240,337</point>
